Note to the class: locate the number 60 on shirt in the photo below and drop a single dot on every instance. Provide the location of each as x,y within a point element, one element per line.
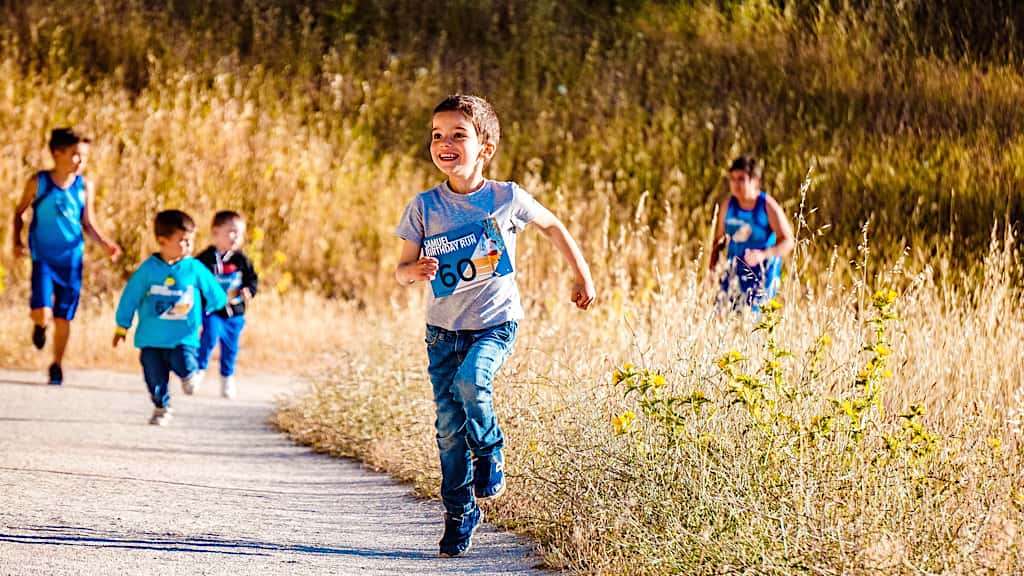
<point>467,257</point>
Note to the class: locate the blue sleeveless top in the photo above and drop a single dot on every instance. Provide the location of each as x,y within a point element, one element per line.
<point>750,230</point>
<point>55,234</point>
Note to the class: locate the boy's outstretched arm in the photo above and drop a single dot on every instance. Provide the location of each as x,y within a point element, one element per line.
<point>131,298</point>
<point>27,196</point>
<point>583,292</point>
<point>411,267</point>
<point>89,223</point>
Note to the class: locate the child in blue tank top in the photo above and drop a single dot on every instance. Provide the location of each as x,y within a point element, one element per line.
<point>62,215</point>
<point>756,234</point>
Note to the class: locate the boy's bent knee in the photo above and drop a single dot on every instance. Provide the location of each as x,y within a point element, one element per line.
<point>475,386</point>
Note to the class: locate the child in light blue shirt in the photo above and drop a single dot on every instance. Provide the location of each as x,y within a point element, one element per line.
<point>167,292</point>
<point>460,236</point>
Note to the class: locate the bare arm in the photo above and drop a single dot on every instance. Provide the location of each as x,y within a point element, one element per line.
<point>784,242</point>
<point>411,267</point>
<point>27,196</point>
<point>719,240</point>
<point>89,223</point>
<point>583,291</point>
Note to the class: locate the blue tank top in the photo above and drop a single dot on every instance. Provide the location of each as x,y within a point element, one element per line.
<point>750,230</point>
<point>55,234</point>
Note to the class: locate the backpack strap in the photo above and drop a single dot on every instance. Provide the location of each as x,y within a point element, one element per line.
<point>43,188</point>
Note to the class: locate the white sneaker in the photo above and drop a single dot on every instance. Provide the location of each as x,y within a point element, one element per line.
<point>227,386</point>
<point>190,384</point>
<point>161,416</point>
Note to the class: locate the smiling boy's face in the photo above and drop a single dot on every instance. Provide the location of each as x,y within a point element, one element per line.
<point>455,146</point>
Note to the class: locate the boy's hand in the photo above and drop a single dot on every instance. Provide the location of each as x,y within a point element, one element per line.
<point>114,251</point>
<point>118,338</point>
<point>583,293</point>
<point>424,269</point>
<point>754,257</point>
<point>246,294</point>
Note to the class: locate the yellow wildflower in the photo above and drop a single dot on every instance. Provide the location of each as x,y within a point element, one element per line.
<point>658,380</point>
<point>774,304</point>
<point>826,340</point>
<point>882,350</point>
<point>623,422</point>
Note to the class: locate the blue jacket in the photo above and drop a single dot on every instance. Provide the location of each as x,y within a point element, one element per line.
<point>165,296</point>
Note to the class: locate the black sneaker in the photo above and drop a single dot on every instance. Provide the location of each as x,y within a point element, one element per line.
<point>489,476</point>
<point>56,375</point>
<point>458,532</point>
<point>39,336</point>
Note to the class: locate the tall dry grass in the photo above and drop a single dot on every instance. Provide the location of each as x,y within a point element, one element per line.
<point>693,477</point>
<point>620,116</point>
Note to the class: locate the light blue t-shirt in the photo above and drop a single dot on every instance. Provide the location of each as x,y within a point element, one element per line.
<point>169,299</point>
<point>440,210</point>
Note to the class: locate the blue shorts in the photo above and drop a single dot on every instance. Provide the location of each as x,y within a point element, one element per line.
<point>57,287</point>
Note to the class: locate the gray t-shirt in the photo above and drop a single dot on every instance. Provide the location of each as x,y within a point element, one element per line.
<point>439,210</point>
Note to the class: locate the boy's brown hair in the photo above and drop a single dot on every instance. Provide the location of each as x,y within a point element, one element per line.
<point>752,166</point>
<point>478,110</point>
<point>168,222</point>
<point>224,216</point>
<point>62,138</point>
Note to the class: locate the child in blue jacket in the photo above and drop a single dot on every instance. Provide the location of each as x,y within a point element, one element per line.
<point>167,291</point>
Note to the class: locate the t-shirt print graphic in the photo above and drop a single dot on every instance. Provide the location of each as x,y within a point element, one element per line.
<point>468,257</point>
<point>172,303</point>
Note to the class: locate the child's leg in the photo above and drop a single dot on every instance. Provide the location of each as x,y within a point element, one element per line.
<point>474,384</point>
<point>61,334</point>
<point>41,298</point>
<point>183,361</point>
<point>230,332</point>
<point>208,339</point>
<point>156,368</point>
<point>456,471</point>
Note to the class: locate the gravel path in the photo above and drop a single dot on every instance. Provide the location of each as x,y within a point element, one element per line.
<point>88,487</point>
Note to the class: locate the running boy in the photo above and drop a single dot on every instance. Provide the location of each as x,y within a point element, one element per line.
<point>62,215</point>
<point>237,277</point>
<point>165,291</point>
<point>757,235</point>
<point>466,229</point>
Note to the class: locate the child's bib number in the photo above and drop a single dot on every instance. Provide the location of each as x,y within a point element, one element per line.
<point>467,257</point>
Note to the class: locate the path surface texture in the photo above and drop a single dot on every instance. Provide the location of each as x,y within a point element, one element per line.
<point>87,486</point>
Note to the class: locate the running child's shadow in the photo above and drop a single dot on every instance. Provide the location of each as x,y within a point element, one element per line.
<point>80,536</point>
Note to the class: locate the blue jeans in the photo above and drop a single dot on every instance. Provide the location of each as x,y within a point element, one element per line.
<point>227,331</point>
<point>462,368</point>
<point>157,365</point>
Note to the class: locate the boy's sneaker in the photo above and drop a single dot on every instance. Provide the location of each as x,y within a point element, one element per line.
<point>227,386</point>
<point>39,336</point>
<point>191,383</point>
<point>56,375</point>
<point>489,476</point>
<point>458,532</point>
<point>161,416</point>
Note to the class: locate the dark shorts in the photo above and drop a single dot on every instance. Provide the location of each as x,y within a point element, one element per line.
<point>57,287</point>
